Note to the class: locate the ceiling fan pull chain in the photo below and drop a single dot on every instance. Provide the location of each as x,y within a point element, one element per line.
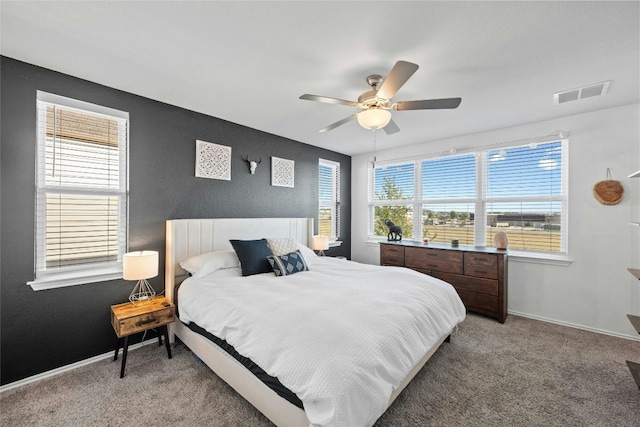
<point>374,147</point>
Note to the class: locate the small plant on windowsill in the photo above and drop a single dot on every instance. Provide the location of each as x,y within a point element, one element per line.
<point>426,234</point>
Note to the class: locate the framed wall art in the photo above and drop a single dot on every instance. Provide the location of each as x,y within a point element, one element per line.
<point>282,172</point>
<point>213,161</point>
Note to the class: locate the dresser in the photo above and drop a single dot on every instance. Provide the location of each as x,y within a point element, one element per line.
<point>479,274</point>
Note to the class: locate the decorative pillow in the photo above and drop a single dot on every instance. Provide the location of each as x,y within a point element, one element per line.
<point>282,245</point>
<point>307,253</point>
<point>203,264</point>
<point>285,265</point>
<point>252,255</point>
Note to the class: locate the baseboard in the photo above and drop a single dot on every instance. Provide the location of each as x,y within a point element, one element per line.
<point>574,325</point>
<point>94,359</point>
<point>71,367</point>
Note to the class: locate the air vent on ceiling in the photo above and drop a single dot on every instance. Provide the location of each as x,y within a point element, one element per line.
<point>581,92</point>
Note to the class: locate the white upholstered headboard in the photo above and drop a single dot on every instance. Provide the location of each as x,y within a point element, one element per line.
<point>189,237</point>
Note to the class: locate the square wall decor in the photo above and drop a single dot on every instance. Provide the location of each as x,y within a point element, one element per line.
<point>282,172</point>
<point>213,160</point>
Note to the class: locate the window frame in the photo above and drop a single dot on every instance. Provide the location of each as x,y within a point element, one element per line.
<point>481,201</point>
<point>334,203</point>
<point>50,278</point>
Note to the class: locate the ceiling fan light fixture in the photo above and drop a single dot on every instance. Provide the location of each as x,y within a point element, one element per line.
<point>374,118</point>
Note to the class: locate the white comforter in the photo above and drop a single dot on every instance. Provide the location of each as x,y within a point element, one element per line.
<point>341,336</point>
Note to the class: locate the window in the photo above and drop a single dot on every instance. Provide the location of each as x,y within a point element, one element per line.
<point>393,193</point>
<point>525,197</point>
<point>329,199</point>
<point>81,192</point>
<point>520,190</point>
<point>449,197</point>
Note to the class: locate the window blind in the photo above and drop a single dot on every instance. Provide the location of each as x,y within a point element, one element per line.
<point>451,177</point>
<point>81,205</point>
<point>394,182</point>
<point>393,196</point>
<point>525,196</point>
<point>521,190</point>
<point>328,198</point>
<point>449,195</point>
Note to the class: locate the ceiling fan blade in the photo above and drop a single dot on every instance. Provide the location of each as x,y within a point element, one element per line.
<point>338,123</point>
<point>428,104</point>
<point>328,100</point>
<point>391,128</point>
<point>398,76</point>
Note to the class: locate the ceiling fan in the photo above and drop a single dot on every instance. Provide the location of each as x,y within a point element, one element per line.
<point>376,103</point>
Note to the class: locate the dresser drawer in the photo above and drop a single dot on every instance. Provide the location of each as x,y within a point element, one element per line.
<point>479,303</point>
<point>433,259</point>
<point>481,265</point>
<point>392,255</point>
<point>471,284</point>
<point>142,322</point>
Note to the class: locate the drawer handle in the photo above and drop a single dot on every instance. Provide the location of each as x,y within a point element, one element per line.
<point>481,271</point>
<point>146,322</point>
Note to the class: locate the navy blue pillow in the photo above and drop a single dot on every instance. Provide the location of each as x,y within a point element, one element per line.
<point>253,256</point>
<point>285,265</point>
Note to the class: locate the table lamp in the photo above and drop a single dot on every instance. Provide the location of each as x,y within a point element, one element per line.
<point>140,266</point>
<point>320,244</point>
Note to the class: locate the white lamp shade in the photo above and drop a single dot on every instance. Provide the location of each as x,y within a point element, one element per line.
<point>374,118</point>
<point>140,265</point>
<point>320,243</point>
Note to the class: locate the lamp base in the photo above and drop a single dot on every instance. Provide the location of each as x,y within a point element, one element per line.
<point>142,292</point>
<point>321,252</point>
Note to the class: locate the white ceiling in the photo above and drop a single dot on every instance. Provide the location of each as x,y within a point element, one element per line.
<point>248,62</point>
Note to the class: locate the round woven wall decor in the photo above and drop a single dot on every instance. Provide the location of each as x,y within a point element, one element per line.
<point>608,192</point>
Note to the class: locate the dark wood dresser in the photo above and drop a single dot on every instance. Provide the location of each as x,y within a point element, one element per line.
<point>479,274</point>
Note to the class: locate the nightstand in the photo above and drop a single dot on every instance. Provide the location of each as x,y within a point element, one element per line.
<point>128,319</point>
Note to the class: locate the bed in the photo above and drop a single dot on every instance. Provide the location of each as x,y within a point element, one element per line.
<point>383,380</point>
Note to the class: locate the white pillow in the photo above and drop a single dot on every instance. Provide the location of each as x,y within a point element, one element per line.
<point>282,245</point>
<point>308,254</point>
<point>203,264</point>
<point>225,272</point>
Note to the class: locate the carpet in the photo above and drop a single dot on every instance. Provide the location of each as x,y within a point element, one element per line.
<point>520,373</point>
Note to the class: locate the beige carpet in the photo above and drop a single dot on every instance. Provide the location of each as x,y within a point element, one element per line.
<point>522,373</point>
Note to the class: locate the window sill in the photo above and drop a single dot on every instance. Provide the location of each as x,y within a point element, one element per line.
<point>375,242</point>
<point>335,243</point>
<point>561,260</point>
<point>75,278</point>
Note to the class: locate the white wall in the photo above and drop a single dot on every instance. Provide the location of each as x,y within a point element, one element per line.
<point>595,291</point>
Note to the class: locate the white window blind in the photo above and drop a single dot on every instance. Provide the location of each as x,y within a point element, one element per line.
<point>328,198</point>
<point>393,198</point>
<point>526,198</point>
<point>521,190</point>
<point>449,199</point>
<point>81,192</point>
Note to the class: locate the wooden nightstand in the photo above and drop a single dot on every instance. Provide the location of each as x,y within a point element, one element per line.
<point>128,319</point>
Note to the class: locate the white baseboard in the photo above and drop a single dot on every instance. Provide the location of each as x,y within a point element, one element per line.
<point>71,367</point>
<point>574,325</point>
<point>94,359</point>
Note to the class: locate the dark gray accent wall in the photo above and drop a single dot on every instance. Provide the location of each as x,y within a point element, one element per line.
<point>43,330</point>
